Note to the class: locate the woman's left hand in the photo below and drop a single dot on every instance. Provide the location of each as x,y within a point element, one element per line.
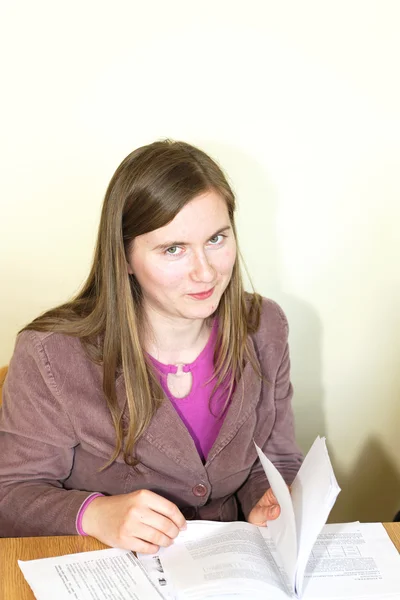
<point>266,509</point>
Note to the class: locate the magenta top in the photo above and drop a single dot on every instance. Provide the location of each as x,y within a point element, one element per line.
<point>194,409</point>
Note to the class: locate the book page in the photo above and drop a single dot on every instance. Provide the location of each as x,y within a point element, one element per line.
<point>99,575</point>
<point>283,529</point>
<point>156,573</point>
<point>212,558</point>
<point>313,492</point>
<point>349,560</point>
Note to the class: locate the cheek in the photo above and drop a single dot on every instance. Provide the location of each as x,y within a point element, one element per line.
<point>226,261</point>
<point>165,276</point>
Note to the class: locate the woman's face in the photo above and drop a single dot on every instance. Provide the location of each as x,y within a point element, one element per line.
<point>184,267</point>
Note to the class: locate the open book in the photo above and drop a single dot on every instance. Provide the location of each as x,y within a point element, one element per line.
<point>304,512</point>
<point>225,560</point>
<point>210,560</point>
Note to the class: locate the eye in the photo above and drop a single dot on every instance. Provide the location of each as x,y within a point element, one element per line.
<point>173,251</point>
<point>216,239</point>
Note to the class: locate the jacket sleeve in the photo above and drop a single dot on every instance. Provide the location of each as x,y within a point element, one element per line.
<point>280,446</point>
<point>36,448</point>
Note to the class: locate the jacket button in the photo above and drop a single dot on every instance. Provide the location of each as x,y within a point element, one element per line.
<point>199,490</point>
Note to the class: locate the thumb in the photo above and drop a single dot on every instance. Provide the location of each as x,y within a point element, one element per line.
<point>261,514</point>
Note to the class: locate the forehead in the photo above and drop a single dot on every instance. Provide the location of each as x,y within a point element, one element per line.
<point>197,221</point>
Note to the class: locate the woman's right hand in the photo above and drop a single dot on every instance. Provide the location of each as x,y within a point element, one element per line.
<point>141,521</point>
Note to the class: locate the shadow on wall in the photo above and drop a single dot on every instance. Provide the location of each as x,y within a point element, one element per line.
<point>371,491</point>
<point>306,369</point>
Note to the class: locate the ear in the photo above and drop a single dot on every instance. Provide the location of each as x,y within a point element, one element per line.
<point>129,268</point>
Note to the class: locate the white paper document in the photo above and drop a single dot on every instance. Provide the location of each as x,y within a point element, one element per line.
<point>100,575</point>
<point>237,560</point>
<point>304,510</point>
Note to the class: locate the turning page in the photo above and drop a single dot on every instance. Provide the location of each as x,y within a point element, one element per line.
<point>314,492</point>
<point>304,511</point>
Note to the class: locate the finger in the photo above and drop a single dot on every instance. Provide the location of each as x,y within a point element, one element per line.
<point>268,498</point>
<point>145,547</point>
<point>136,545</point>
<point>147,534</point>
<point>163,507</point>
<point>154,519</point>
<point>272,512</point>
<point>261,514</point>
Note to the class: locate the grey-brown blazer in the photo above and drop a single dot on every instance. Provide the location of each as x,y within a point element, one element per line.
<point>56,432</point>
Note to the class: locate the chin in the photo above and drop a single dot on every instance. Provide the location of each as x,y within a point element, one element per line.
<point>203,312</point>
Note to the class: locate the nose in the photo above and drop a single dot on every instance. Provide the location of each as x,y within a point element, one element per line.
<point>202,270</point>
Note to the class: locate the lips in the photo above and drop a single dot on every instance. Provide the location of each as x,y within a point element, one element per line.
<point>202,295</point>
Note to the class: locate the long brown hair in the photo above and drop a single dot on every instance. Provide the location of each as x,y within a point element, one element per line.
<point>146,192</point>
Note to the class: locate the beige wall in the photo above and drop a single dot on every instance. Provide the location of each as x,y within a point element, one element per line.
<point>300,101</point>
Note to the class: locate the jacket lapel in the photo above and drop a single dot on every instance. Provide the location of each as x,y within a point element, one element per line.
<point>243,402</point>
<point>169,435</point>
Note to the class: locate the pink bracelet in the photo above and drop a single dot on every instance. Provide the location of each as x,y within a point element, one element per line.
<point>84,505</point>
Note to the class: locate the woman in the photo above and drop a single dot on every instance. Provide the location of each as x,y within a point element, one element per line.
<point>134,406</point>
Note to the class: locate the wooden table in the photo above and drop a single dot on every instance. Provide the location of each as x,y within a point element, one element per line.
<point>12,583</point>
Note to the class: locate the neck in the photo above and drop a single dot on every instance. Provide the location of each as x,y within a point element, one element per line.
<point>175,340</point>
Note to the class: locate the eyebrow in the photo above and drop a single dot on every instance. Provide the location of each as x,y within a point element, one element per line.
<point>172,244</point>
